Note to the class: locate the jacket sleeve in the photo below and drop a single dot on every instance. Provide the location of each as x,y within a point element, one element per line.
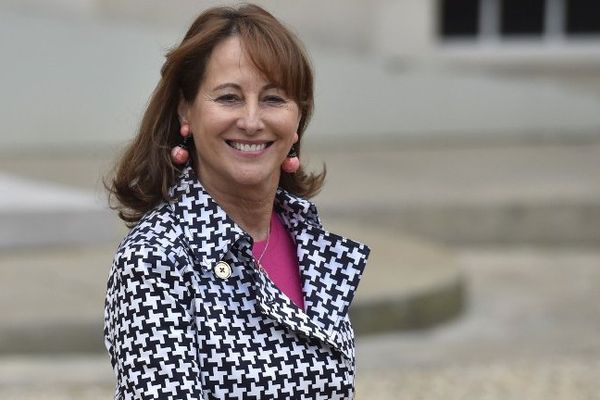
<point>150,329</point>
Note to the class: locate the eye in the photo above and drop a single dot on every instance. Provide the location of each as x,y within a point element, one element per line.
<point>274,100</point>
<point>229,99</point>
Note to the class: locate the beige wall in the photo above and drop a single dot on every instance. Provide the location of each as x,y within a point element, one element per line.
<point>393,29</point>
<point>390,26</point>
<point>345,24</point>
<point>405,28</point>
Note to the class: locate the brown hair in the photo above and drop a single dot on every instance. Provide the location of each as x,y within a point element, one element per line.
<point>145,171</point>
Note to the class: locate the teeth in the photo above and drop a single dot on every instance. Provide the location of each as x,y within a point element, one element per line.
<point>248,147</point>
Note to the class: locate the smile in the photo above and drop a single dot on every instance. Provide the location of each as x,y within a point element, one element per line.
<point>248,147</point>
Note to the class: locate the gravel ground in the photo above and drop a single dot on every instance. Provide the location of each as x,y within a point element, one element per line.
<point>552,379</point>
<point>557,379</point>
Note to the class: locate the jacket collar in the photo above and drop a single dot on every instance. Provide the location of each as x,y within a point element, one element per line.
<point>330,265</point>
<point>202,220</point>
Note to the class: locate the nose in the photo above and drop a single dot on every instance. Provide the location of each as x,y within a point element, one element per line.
<point>250,121</point>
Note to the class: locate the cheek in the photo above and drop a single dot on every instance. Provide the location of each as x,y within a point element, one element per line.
<point>210,123</point>
<point>288,124</point>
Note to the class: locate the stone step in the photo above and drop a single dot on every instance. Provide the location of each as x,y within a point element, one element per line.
<point>52,299</point>
<point>539,223</point>
<point>408,283</point>
<point>468,193</point>
<point>517,192</point>
<point>37,213</point>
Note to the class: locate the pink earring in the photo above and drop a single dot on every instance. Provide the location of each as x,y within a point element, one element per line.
<point>180,154</point>
<point>291,163</point>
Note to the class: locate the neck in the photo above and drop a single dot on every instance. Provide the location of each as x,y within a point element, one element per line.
<point>250,207</point>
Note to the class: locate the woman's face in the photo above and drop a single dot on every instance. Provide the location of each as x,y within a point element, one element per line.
<point>243,125</point>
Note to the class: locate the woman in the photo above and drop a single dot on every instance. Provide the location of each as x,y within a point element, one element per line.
<point>227,286</point>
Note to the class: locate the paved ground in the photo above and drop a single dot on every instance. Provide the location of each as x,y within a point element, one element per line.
<point>528,302</point>
<point>531,333</point>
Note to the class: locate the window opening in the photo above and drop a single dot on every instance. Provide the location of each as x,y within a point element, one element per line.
<point>583,17</point>
<point>522,17</point>
<point>459,18</point>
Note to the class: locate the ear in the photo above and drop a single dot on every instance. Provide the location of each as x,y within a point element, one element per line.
<point>183,110</point>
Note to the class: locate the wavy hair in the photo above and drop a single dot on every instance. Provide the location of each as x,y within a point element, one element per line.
<point>145,172</point>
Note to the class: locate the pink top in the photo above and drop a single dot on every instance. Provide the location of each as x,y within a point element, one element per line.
<point>280,261</point>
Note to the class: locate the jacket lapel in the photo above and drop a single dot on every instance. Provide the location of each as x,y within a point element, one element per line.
<point>330,266</point>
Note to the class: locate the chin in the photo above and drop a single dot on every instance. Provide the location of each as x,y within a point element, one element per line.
<point>254,178</point>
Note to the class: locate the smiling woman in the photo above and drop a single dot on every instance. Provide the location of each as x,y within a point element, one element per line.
<point>227,285</point>
<point>147,169</point>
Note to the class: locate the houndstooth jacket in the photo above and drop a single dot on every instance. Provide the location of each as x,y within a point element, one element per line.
<point>176,329</point>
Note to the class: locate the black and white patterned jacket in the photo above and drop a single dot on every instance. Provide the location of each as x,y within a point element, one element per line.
<point>175,330</point>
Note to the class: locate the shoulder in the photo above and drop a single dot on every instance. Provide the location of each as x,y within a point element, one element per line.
<point>153,251</point>
<point>158,228</point>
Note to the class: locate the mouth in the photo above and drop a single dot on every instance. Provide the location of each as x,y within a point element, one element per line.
<point>248,147</point>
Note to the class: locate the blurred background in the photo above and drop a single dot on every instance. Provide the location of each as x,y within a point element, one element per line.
<point>462,143</point>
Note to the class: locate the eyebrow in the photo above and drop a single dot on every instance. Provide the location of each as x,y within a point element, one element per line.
<point>237,87</point>
<point>226,85</point>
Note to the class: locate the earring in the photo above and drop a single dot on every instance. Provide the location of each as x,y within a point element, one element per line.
<point>180,154</point>
<point>291,163</point>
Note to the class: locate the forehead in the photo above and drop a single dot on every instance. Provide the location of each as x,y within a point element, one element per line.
<point>229,63</point>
